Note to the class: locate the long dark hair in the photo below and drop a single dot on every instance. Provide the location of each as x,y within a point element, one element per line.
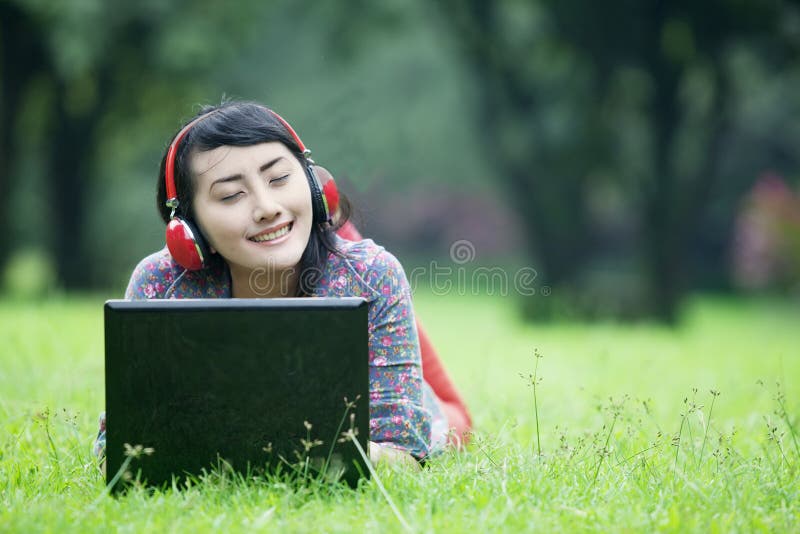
<point>236,123</point>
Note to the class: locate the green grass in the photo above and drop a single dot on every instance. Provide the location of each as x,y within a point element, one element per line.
<point>611,402</point>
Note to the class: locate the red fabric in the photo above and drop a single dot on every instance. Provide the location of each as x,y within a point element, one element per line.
<point>433,371</point>
<point>348,231</point>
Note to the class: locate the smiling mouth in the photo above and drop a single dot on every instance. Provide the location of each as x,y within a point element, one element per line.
<point>261,238</point>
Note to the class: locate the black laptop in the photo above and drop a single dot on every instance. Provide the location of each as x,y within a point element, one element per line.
<point>210,383</point>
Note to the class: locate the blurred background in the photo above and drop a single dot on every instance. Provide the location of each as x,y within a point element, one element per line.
<point>631,153</point>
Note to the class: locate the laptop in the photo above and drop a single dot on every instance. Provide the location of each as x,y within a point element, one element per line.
<point>245,384</point>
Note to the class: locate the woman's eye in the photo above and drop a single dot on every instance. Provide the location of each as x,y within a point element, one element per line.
<point>231,197</point>
<point>279,180</point>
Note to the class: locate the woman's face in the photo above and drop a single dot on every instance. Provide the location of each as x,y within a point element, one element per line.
<point>253,205</point>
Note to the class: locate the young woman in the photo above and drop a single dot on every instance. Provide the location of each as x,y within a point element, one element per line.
<point>250,215</point>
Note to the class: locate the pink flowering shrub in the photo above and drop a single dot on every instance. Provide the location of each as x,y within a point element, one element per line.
<point>766,245</point>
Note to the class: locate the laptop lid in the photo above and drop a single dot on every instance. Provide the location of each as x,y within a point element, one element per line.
<point>204,380</point>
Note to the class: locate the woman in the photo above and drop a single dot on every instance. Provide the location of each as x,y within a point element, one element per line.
<point>249,215</point>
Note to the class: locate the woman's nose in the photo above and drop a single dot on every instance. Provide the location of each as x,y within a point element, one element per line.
<point>265,206</point>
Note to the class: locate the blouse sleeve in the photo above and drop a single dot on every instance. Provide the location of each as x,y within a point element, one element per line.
<point>152,277</point>
<point>99,446</point>
<point>397,417</point>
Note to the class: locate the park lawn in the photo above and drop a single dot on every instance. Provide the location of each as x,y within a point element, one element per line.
<point>627,436</point>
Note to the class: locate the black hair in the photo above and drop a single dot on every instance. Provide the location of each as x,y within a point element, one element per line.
<point>238,123</point>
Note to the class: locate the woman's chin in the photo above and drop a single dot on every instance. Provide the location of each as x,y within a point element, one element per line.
<point>278,259</point>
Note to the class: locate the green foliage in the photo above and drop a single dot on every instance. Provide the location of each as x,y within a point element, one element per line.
<point>29,275</point>
<point>618,132</point>
<point>641,428</point>
<point>389,116</point>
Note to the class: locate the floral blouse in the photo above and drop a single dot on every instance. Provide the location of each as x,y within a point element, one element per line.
<point>398,415</point>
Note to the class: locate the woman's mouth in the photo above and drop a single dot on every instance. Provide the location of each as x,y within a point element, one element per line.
<point>274,235</point>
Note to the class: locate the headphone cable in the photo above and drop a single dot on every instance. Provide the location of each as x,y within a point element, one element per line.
<point>172,285</point>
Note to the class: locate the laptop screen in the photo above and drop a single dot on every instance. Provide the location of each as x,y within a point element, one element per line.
<point>235,381</point>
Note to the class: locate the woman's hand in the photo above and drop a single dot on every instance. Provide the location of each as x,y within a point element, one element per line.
<point>382,453</point>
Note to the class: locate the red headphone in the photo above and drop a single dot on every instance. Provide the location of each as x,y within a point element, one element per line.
<point>184,240</point>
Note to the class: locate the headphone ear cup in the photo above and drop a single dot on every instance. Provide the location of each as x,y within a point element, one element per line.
<point>186,244</point>
<point>322,214</point>
<point>329,194</point>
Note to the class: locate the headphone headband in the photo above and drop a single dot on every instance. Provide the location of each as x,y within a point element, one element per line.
<point>169,170</point>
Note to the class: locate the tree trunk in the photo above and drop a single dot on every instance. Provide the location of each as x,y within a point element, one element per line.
<point>663,247</point>
<point>21,56</point>
<point>68,169</point>
<point>552,225</point>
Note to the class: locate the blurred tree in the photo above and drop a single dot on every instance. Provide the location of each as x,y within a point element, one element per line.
<point>671,48</point>
<point>606,125</point>
<point>97,61</point>
<point>21,53</point>
<point>530,136</point>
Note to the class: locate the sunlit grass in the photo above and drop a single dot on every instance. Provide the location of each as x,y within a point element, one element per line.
<point>628,436</point>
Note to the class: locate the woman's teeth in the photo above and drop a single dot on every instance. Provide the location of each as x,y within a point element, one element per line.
<point>272,235</point>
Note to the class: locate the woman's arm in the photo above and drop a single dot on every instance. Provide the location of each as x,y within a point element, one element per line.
<point>398,420</point>
<point>434,373</point>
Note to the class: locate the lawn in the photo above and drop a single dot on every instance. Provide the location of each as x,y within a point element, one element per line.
<point>640,428</point>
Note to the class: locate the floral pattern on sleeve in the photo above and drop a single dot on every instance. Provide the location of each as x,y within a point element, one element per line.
<point>397,415</point>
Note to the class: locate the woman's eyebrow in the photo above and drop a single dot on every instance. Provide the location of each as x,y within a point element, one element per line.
<point>236,177</point>
<point>226,179</point>
<point>269,164</point>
